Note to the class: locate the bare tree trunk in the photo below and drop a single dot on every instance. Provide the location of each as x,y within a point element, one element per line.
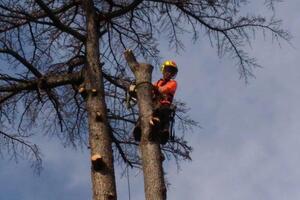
<point>103,179</point>
<point>151,153</point>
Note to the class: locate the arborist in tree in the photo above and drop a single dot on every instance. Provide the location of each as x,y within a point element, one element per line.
<point>163,93</point>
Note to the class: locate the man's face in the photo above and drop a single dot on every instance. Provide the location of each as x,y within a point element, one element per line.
<point>168,73</point>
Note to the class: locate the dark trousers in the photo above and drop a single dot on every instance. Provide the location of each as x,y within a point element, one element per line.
<point>161,130</point>
<point>163,112</point>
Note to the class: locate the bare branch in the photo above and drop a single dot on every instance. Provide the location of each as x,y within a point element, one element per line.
<point>15,143</point>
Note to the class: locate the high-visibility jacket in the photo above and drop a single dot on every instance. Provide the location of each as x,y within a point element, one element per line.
<point>167,90</point>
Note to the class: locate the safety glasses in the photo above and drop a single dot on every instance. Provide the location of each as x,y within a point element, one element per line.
<point>169,69</point>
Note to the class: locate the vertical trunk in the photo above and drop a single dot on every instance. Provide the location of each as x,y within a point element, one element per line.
<point>103,180</point>
<point>151,153</point>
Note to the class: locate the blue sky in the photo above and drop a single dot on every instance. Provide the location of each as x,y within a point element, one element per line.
<point>248,145</point>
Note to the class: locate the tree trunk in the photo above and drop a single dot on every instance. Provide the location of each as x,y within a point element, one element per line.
<point>103,179</point>
<point>151,153</point>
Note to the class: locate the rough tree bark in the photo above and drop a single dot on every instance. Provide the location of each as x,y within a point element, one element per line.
<point>154,184</point>
<point>103,180</point>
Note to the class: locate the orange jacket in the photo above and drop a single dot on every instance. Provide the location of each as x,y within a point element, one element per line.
<point>166,90</point>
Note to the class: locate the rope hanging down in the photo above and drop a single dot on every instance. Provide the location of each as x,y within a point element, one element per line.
<point>128,183</point>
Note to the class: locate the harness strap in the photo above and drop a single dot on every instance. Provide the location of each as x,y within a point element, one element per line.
<point>142,83</point>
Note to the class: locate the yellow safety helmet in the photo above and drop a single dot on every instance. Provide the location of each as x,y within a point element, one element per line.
<point>169,63</point>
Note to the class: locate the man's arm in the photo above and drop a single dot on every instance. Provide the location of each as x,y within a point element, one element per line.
<point>169,87</point>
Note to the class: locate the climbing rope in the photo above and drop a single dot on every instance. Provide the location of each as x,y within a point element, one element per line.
<point>128,183</point>
<point>172,119</point>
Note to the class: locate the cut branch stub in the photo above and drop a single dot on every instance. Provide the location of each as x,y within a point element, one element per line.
<point>81,89</point>
<point>97,162</point>
<point>94,91</point>
<point>99,116</point>
<point>111,196</point>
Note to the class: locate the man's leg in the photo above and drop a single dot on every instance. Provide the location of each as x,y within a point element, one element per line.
<point>165,124</point>
<point>137,131</point>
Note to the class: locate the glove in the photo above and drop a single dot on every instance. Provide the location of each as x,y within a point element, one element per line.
<point>132,88</point>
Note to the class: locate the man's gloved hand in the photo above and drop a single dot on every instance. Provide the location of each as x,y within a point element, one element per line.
<point>132,88</point>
